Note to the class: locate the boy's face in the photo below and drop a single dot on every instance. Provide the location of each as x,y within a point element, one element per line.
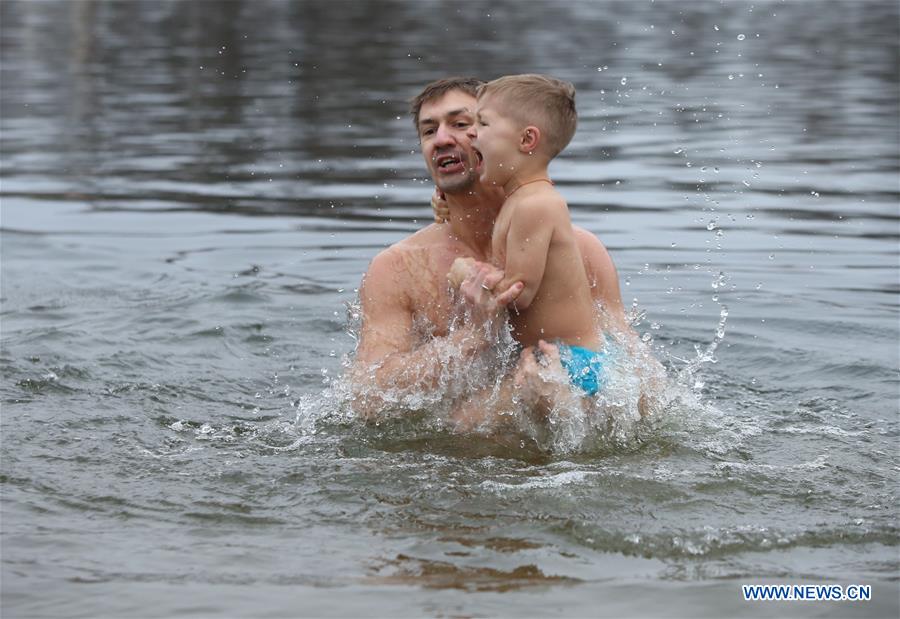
<point>495,137</point>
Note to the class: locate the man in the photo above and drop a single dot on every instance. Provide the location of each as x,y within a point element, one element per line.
<point>406,287</point>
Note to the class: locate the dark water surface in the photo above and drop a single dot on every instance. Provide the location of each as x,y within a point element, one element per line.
<point>192,190</point>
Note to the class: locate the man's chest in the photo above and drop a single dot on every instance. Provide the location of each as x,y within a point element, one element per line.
<point>429,296</point>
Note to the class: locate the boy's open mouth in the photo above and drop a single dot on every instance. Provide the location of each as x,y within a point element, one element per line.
<point>479,159</point>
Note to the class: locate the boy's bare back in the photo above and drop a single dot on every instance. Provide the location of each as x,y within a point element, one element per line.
<point>533,242</point>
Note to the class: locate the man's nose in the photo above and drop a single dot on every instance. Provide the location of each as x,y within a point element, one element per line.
<point>444,136</point>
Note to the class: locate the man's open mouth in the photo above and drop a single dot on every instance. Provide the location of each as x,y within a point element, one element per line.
<point>451,163</point>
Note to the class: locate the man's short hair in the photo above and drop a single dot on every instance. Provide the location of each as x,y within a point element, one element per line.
<point>539,100</point>
<point>437,89</point>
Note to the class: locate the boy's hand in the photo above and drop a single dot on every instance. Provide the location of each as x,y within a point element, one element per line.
<point>507,292</point>
<point>464,267</point>
<point>477,290</point>
<point>440,207</point>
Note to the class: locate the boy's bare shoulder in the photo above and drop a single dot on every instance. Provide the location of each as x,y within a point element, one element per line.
<point>543,204</point>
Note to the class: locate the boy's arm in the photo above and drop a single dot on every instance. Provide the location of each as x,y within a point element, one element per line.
<point>528,239</point>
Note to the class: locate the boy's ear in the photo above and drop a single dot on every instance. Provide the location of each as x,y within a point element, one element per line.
<point>531,137</point>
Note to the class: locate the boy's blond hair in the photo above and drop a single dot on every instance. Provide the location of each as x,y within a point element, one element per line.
<point>545,102</point>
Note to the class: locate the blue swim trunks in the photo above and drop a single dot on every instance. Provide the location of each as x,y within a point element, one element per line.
<point>588,369</point>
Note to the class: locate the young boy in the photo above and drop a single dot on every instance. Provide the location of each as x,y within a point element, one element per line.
<point>522,123</point>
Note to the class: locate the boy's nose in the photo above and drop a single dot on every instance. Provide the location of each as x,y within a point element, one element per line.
<point>472,132</point>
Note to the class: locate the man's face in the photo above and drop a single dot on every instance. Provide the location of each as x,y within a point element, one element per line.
<point>447,149</point>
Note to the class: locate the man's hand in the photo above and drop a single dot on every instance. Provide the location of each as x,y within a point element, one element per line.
<point>534,363</point>
<point>440,207</point>
<point>542,384</point>
<point>460,270</point>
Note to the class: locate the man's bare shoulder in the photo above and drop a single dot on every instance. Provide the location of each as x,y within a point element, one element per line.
<point>588,240</point>
<point>394,268</point>
<point>432,236</point>
<point>601,271</point>
<point>429,237</point>
<point>596,257</point>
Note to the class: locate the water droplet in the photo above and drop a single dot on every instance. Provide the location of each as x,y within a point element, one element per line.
<point>771,256</point>
<point>712,225</point>
<point>741,37</point>
<point>731,77</point>
<point>716,28</point>
<point>623,81</point>
<point>814,193</point>
<point>719,281</point>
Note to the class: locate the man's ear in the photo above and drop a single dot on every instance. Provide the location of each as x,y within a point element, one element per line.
<point>531,138</point>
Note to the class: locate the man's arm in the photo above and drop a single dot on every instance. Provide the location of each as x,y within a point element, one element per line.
<point>605,289</point>
<point>387,357</point>
<point>602,276</point>
<point>525,389</point>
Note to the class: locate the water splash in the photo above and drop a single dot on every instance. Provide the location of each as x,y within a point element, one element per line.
<point>639,393</point>
<point>687,375</point>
